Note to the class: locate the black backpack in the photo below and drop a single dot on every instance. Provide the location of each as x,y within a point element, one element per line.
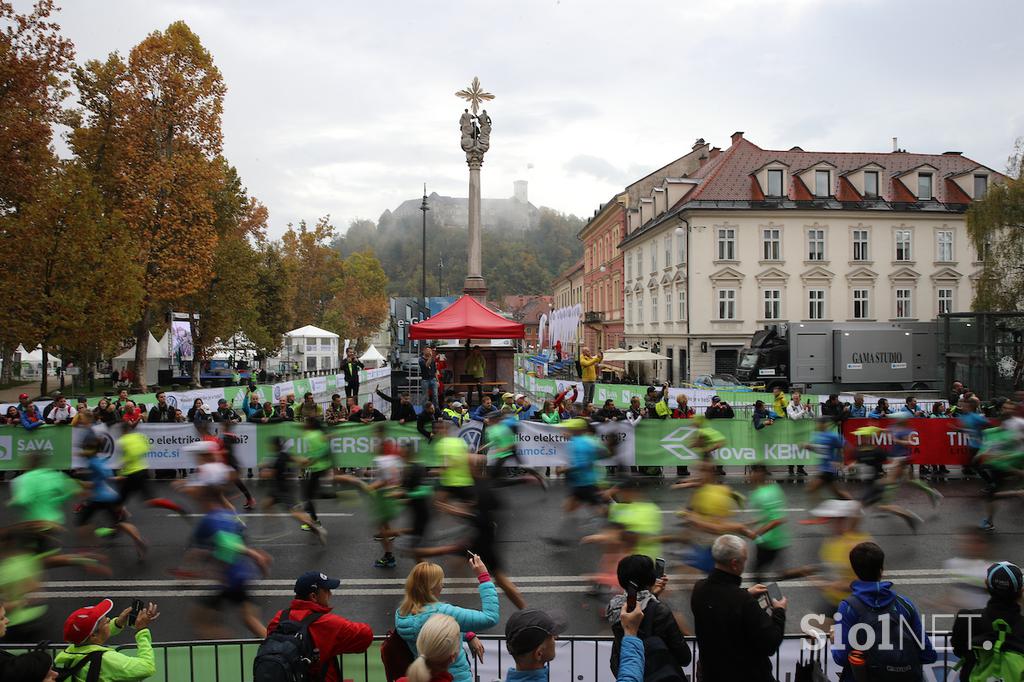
<point>659,663</point>
<point>895,663</point>
<point>288,652</point>
<point>92,659</point>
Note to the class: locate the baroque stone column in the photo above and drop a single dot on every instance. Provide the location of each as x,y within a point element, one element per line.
<point>474,284</point>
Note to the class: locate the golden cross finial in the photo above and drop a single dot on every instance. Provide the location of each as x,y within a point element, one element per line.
<point>474,95</point>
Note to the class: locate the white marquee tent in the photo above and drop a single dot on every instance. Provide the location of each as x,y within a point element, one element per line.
<point>157,357</point>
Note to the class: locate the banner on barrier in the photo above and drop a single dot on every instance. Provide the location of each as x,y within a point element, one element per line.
<point>666,442</point>
<point>16,442</point>
<point>933,441</point>
<point>547,445</point>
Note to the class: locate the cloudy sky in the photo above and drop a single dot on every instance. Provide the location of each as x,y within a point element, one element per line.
<point>346,108</point>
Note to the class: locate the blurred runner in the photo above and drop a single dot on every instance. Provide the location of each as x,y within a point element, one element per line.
<point>1001,462</point>
<point>318,461</point>
<point>103,498</point>
<point>278,470</point>
<point>133,476</point>
<point>830,446</point>
<point>581,477</point>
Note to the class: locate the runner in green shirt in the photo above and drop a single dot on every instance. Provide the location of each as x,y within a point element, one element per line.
<point>453,454</point>
<point>770,533</point>
<point>317,459</point>
<point>41,492</point>
<point>639,516</point>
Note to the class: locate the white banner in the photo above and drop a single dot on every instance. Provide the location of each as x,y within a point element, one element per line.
<point>547,445</point>
<point>168,445</point>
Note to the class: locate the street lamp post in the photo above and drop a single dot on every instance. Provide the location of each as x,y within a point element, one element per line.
<point>423,282</point>
<point>440,275</point>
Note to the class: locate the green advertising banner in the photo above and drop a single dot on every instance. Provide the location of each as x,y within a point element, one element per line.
<point>670,442</point>
<point>16,442</point>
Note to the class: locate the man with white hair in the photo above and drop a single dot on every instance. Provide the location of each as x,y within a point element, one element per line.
<point>736,635</point>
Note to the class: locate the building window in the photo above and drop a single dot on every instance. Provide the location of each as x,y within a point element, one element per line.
<point>870,184</point>
<point>903,245</point>
<point>629,267</point>
<point>816,244</point>
<point>727,304</point>
<point>640,261</point>
<point>775,183</point>
<point>726,243</point>
<point>924,186</point>
<point>815,304</point>
<point>944,246</point>
<point>771,242</point>
<point>861,309</point>
<point>860,245</point>
<point>654,257</point>
<point>628,311</point>
<point>772,304</point>
<point>945,301</point>
<point>980,186</point>
<point>640,308</point>
<point>821,183</point>
<point>668,251</point>
<point>654,306</point>
<point>903,307</point>
<point>682,303</point>
<point>682,249</point>
<point>668,305</point>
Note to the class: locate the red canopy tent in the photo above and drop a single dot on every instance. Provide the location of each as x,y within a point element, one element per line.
<point>467,318</point>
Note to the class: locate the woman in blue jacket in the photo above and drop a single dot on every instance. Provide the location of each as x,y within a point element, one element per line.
<point>423,599</point>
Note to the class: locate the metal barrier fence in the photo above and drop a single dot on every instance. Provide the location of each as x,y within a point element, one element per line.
<point>578,659</point>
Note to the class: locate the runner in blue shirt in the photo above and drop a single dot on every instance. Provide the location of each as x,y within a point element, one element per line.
<point>830,446</point>
<point>581,476</point>
<point>103,497</point>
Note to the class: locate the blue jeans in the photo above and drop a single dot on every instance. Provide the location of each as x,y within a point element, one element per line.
<point>430,390</point>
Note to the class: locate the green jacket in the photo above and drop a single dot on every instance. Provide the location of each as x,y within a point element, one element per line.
<point>115,667</point>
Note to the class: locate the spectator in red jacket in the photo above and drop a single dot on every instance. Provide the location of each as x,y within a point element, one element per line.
<point>332,634</point>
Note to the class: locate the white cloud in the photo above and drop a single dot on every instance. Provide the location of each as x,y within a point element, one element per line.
<point>347,108</point>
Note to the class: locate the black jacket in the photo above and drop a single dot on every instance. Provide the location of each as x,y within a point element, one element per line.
<point>24,668</point>
<point>664,625</point>
<point>735,636</point>
<point>606,415</point>
<point>399,410</point>
<point>719,410</point>
<point>161,414</point>
<point>351,371</point>
<point>977,623</point>
<point>424,420</point>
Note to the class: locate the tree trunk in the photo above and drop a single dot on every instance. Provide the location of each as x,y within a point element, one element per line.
<point>197,355</point>
<point>141,347</point>
<point>7,354</point>
<point>43,388</point>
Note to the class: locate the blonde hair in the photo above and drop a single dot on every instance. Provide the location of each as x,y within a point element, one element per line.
<point>424,580</point>
<point>438,643</point>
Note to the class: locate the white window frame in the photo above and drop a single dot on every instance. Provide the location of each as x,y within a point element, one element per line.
<point>726,300</point>
<point>640,261</point>
<point>682,301</point>
<point>908,250</point>
<point>654,256</point>
<point>668,250</point>
<point>816,237</point>
<point>944,246</point>
<point>818,174</point>
<point>861,304</point>
<point>983,178</point>
<point>726,243</point>
<point>640,307</point>
<point>865,241</point>
<point>654,305</point>
<point>768,182</point>
<point>931,186</point>
<point>629,267</point>
<point>816,304</point>
<point>682,250</point>
<point>628,308</point>
<point>904,308</point>
<point>944,299</point>
<point>772,304</point>
<point>771,243</point>
<point>867,194</point>
<point>668,304</point>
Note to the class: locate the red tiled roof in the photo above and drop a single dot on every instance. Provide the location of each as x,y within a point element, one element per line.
<point>799,191</point>
<point>955,195</point>
<point>727,176</point>
<point>847,192</point>
<point>755,189</point>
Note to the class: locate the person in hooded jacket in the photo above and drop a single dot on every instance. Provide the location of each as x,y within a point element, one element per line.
<point>637,570</point>
<point>870,592</point>
<point>973,628</point>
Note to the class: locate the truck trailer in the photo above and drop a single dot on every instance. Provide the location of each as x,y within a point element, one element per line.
<point>825,357</point>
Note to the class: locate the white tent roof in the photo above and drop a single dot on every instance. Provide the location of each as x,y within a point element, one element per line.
<point>36,355</point>
<point>154,349</point>
<point>372,355</point>
<point>310,330</point>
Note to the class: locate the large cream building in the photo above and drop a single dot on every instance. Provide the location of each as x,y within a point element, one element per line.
<point>757,236</point>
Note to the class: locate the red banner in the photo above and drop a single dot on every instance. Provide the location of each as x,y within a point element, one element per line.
<point>934,441</point>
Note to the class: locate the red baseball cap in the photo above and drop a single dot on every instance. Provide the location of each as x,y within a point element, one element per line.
<point>82,623</point>
<point>23,396</point>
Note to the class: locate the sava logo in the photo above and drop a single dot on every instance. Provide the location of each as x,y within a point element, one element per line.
<point>675,443</point>
<point>6,448</point>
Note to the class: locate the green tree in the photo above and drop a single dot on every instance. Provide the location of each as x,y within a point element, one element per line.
<point>360,302</point>
<point>312,267</point>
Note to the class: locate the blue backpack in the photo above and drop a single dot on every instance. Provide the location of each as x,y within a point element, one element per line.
<point>902,663</point>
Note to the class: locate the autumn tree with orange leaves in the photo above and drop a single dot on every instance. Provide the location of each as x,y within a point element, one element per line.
<point>168,140</point>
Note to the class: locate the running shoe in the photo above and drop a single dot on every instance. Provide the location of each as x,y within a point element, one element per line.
<point>249,505</point>
<point>913,520</point>
<point>308,528</point>
<point>987,525</point>
<point>385,562</point>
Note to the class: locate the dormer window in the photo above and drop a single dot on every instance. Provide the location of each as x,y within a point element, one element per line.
<point>924,186</point>
<point>822,185</point>
<point>870,184</point>
<point>980,186</point>
<point>774,182</point>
